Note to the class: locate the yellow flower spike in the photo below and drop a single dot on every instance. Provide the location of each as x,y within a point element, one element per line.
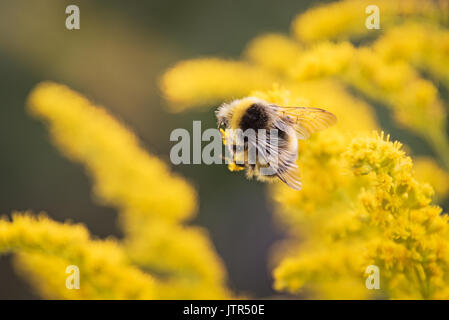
<point>201,82</point>
<point>47,276</point>
<point>47,248</point>
<point>346,19</point>
<point>153,202</point>
<point>296,272</point>
<point>378,214</point>
<point>190,268</point>
<point>324,59</point>
<point>327,185</point>
<point>353,114</point>
<point>427,170</point>
<point>414,100</point>
<point>425,47</point>
<point>125,176</point>
<point>274,52</point>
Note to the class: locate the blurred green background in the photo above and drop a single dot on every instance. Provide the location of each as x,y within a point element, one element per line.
<point>115,59</point>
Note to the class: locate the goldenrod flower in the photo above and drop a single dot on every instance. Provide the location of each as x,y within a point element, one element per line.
<point>355,113</point>
<point>205,81</point>
<point>384,218</point>
<point>345,19</point>
<point>152,201</point>
<point>125,176</point>
<point>426,47</point>
<point>427,170</point>
<point>183,256</point>
<point>274,52</point>
<point>414,100</point>
<point>46,249</point>
<point>326,273</point>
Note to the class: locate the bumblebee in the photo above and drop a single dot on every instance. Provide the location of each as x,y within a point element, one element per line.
<point>277,152</point>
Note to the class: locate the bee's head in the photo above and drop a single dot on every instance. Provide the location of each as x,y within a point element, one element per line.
<point>223,114</point>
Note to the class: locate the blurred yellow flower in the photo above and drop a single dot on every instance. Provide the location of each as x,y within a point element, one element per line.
<point>125,176</point>
<point>345,19</point>
<point>153,204</point>
<point>273,51</point>
<point>206,81</point>
<point>426,47</point>
<point>427,170</point>
<point>47,247</point>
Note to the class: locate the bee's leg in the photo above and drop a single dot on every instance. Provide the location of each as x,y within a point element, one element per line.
<point>235,167</point>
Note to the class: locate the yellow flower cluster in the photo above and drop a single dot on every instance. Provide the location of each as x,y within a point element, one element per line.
<point>399,206</point>
<point>153,204</point>
<point>361,203</point>
<point>274,52</point>
<point>46,248</point>
<point>216,78</point>
<point>346,19</point>
<point>427,170</point>
<point>426,47</point>
<point>383,217</point>
<point>321,172</point>
<point>414,100</point>
<point>353,114</point>
<point>125,176</point>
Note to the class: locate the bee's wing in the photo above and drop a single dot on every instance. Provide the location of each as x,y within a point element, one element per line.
<point>291,178</point>
<point>304,120</point>
<point>280,159</point>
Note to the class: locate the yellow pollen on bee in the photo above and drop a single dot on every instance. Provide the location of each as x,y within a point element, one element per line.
<point>234,167</point>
